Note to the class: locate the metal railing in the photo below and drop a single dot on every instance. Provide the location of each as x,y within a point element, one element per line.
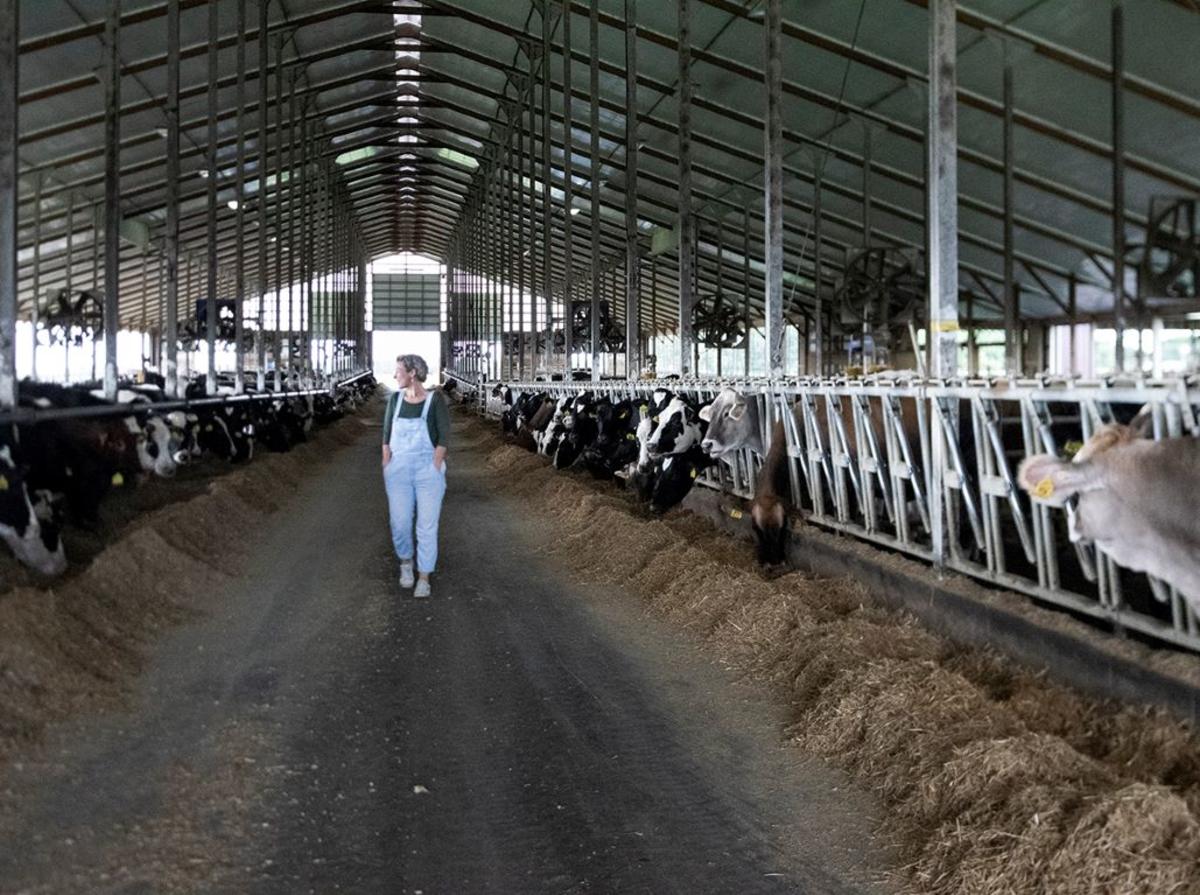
<point>862,462</point>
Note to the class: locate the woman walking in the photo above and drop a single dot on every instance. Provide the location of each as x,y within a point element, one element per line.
<point>416,431</point>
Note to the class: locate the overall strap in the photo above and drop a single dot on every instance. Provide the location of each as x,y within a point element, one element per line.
<point>425,406</point>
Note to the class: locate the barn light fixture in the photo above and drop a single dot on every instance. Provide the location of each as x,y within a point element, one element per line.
<point>203,172</point>
<point>233,204</point>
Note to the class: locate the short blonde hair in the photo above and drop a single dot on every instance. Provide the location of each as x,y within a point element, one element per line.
<point>415,364</point>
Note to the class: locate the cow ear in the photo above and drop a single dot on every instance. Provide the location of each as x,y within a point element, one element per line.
<point>706,413</point>
<point>1052,480</point>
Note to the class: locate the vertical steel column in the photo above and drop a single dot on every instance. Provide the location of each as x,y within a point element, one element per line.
<point>818,299</point>
<point>211,298</point>
<point>112,196</point>
<point>239,296</point>
<point>746,287</point>
<point>773,200</point>
<point>594,177</point>
<point>1073,312</point>
<point>687,222</point>
<point>291,229</point>
<point>943,190</point>
<point>9,199</point>
<point>531,249</point>
<point>1013,362</point>
<point>304,267</point>
<point>276,340</point>
<point>70,269</point>
<point>519,232</point>
<point>633,277</point>
<point>547,246</point>
<point>171,373</point>
<point>37,272</point>
<point>260,337</point>
<point>1118,177</point>
<point>568,197</point>
<point>943,236</point>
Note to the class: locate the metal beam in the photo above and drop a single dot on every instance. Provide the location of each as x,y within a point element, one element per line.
<point>773,192</point>
<point>112,196</point>
<point>9,78</point>
<point>687,224</point>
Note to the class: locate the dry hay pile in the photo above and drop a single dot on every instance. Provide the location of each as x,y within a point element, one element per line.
<point>75,645</point>
<point>998,781</point>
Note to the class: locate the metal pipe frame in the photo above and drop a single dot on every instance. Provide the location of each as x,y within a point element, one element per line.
<point>1118,179</point>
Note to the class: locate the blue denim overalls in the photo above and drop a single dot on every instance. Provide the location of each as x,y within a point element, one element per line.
<point>410,478</point>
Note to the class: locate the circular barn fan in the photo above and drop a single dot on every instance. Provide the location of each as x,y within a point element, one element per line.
<point>717,321</point>
<point>1168,263</point>
<point>881,284</point>
<point>72,318</point>
<point>612,336</point>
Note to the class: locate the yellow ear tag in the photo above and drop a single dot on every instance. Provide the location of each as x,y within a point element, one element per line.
<point>118,480</point>
<point>693,473</point>
<point>3,483</point>
<point>630,436</point>
<point>736,514</point>
<point>645,408</point>
<point>1043,489</point>
<point>1071,448</point>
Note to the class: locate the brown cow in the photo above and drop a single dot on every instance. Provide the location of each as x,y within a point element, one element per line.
<point>1137,501</point>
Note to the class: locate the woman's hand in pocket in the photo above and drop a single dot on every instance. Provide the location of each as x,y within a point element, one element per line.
<point>387,455</point>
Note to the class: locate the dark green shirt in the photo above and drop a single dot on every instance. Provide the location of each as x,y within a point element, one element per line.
<point>438,420</point>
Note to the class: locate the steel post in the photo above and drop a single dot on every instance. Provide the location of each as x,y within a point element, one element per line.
<point>239,293</point>
<point>211,296</point>
<point>594,179</point>
<point>1120,310</point>
<point>293,178</point>
<point>37,272</point>
<point>112,196</point>
<point>943,233</point>
<point>9,198</point>
<point>746,287</point>
<point>687,222</point>
<point>260,340</point>
<point>773,200</point>
<point>1013,362</point>
<point>818,298</point>
<point>633,277</point>
<point>547,244</point>
<point>171,237</point>
<point>276,340</point>
<point>568,287</point>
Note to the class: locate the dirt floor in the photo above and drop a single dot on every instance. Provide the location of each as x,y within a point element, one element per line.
<point>235,696</point>
<point>996,780</point>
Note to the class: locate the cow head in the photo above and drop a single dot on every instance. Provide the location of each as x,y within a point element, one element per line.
<point>156,453</point>
<point>33,541</point>
<point>679,428</point>
<point>732,424</point>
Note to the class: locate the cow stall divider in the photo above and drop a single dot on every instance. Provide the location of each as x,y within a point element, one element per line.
<point>862,454</point>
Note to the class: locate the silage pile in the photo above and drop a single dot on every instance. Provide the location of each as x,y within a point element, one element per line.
<point>997,781</point>
<point>77,644</point>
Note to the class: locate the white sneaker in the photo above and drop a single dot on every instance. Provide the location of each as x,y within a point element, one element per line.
<point>422,589</point>
<point>406,574</point>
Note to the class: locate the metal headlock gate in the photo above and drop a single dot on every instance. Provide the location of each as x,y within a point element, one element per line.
<point>862,457</point>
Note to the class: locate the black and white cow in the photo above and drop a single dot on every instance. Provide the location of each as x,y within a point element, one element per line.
<point>616,443</point>
<point>34,541</point>
<point>581,428</point>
